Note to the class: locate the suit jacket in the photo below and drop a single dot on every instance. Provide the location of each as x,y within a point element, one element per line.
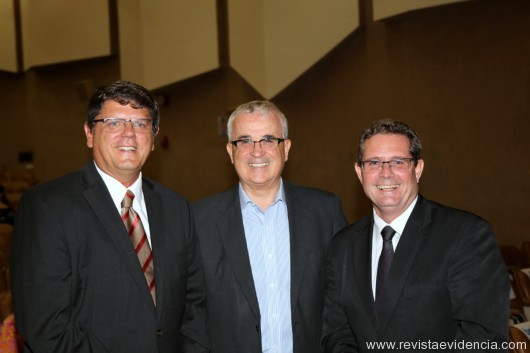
<point>233,310</point>
<point>76,280</point>
<point>447,282</point>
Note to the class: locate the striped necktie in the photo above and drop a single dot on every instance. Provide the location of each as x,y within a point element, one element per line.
<point>136,231</point>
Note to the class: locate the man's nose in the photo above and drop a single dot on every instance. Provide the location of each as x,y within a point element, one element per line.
<point>386,169</point>
<point>128,128</point>
<point>257,148</point>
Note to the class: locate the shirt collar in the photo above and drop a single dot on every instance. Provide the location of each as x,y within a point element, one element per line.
<point>117,190</point>
<point>397,224</point>
<point>244,199</point>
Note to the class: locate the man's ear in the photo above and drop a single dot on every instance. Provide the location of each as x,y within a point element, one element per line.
<point>359,171</point>
<point>418,169</point>
<point>230,150</point>
<point>89,135</point>
<point>286,148</point>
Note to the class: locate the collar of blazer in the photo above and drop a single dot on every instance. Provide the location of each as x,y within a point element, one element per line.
<point>98,197</point>
<point>231,231</point>
<point>410,244</point>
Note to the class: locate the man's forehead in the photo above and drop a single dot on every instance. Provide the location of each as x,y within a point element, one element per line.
<point>248,122</point>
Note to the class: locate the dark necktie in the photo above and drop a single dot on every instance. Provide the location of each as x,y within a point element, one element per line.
<point>134,226</point>
<point>385,260</point>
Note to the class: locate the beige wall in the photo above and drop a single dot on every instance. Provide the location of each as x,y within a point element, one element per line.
<point>63,30</point>
<point>8,54</point>
<point>463,83</point>
<point>272,42</point>
<point>387,8</point>
<point>166,41</point>
<point>53,31</point>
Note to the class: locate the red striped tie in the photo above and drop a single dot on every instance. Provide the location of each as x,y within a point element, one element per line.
<point>134,226</point>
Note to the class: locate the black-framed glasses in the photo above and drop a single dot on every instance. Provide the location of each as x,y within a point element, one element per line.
<point>396,164</point>
<point>267,143</point>
<point>118,124</point>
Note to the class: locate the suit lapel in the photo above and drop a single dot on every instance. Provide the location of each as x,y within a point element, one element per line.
<point>299,232</point>
<point>99,199</point>
<point>404,258</point>
<point>232,234</point>
<point>362,256</point>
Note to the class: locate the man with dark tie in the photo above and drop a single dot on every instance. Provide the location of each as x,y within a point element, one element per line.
<point>263,244</point>
<point>104,260</point>
<point>414,275</point>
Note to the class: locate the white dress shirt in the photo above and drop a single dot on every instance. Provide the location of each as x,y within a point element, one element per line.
<point>117,192</point>
<point>398,225</point>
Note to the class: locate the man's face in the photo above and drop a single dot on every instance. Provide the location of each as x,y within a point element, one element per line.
<point>391,191</point>
<point>120,154</point>
<point>258,168</point>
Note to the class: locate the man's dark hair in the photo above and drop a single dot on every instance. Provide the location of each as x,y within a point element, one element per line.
<point>388,126</point>
<point>123,92</point>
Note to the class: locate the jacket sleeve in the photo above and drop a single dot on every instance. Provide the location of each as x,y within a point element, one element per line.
<point>479,289</point>
<point>43,283</point>
<point>337,335</point>
<point>194,338</point>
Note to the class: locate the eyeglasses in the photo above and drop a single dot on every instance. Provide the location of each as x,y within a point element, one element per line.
<point>268,143</point>
<point>397,164</point>
<point>118,124</point>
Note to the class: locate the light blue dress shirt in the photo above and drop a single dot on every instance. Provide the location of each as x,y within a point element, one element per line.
<point>267,236</point>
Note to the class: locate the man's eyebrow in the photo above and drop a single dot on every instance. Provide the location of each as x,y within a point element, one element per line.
<point>268,136</point>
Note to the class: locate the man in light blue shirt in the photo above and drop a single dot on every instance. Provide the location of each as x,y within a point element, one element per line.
<point>263,244</point>
<point>267,236</point>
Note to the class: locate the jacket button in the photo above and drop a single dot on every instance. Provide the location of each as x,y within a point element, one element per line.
<point>257,328</point>
<point>159,333</point>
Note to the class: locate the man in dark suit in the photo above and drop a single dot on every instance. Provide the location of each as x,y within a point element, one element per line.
<point>263,244</point>
<point>435,281</point>
<point>78,283</point>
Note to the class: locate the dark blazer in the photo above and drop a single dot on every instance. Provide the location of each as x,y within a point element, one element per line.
<point>77,282</point>
<point>233,310</point>
<point>447,282</point>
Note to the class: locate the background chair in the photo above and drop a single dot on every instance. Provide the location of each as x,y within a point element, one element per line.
<point>6,304</point>
<point>13,190</point>
<point>522,282</point>
<point>522,343</point>
<point>6,232</point>
<point>521,278</point>
<point>525,247</point>
<point>513,256</point>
